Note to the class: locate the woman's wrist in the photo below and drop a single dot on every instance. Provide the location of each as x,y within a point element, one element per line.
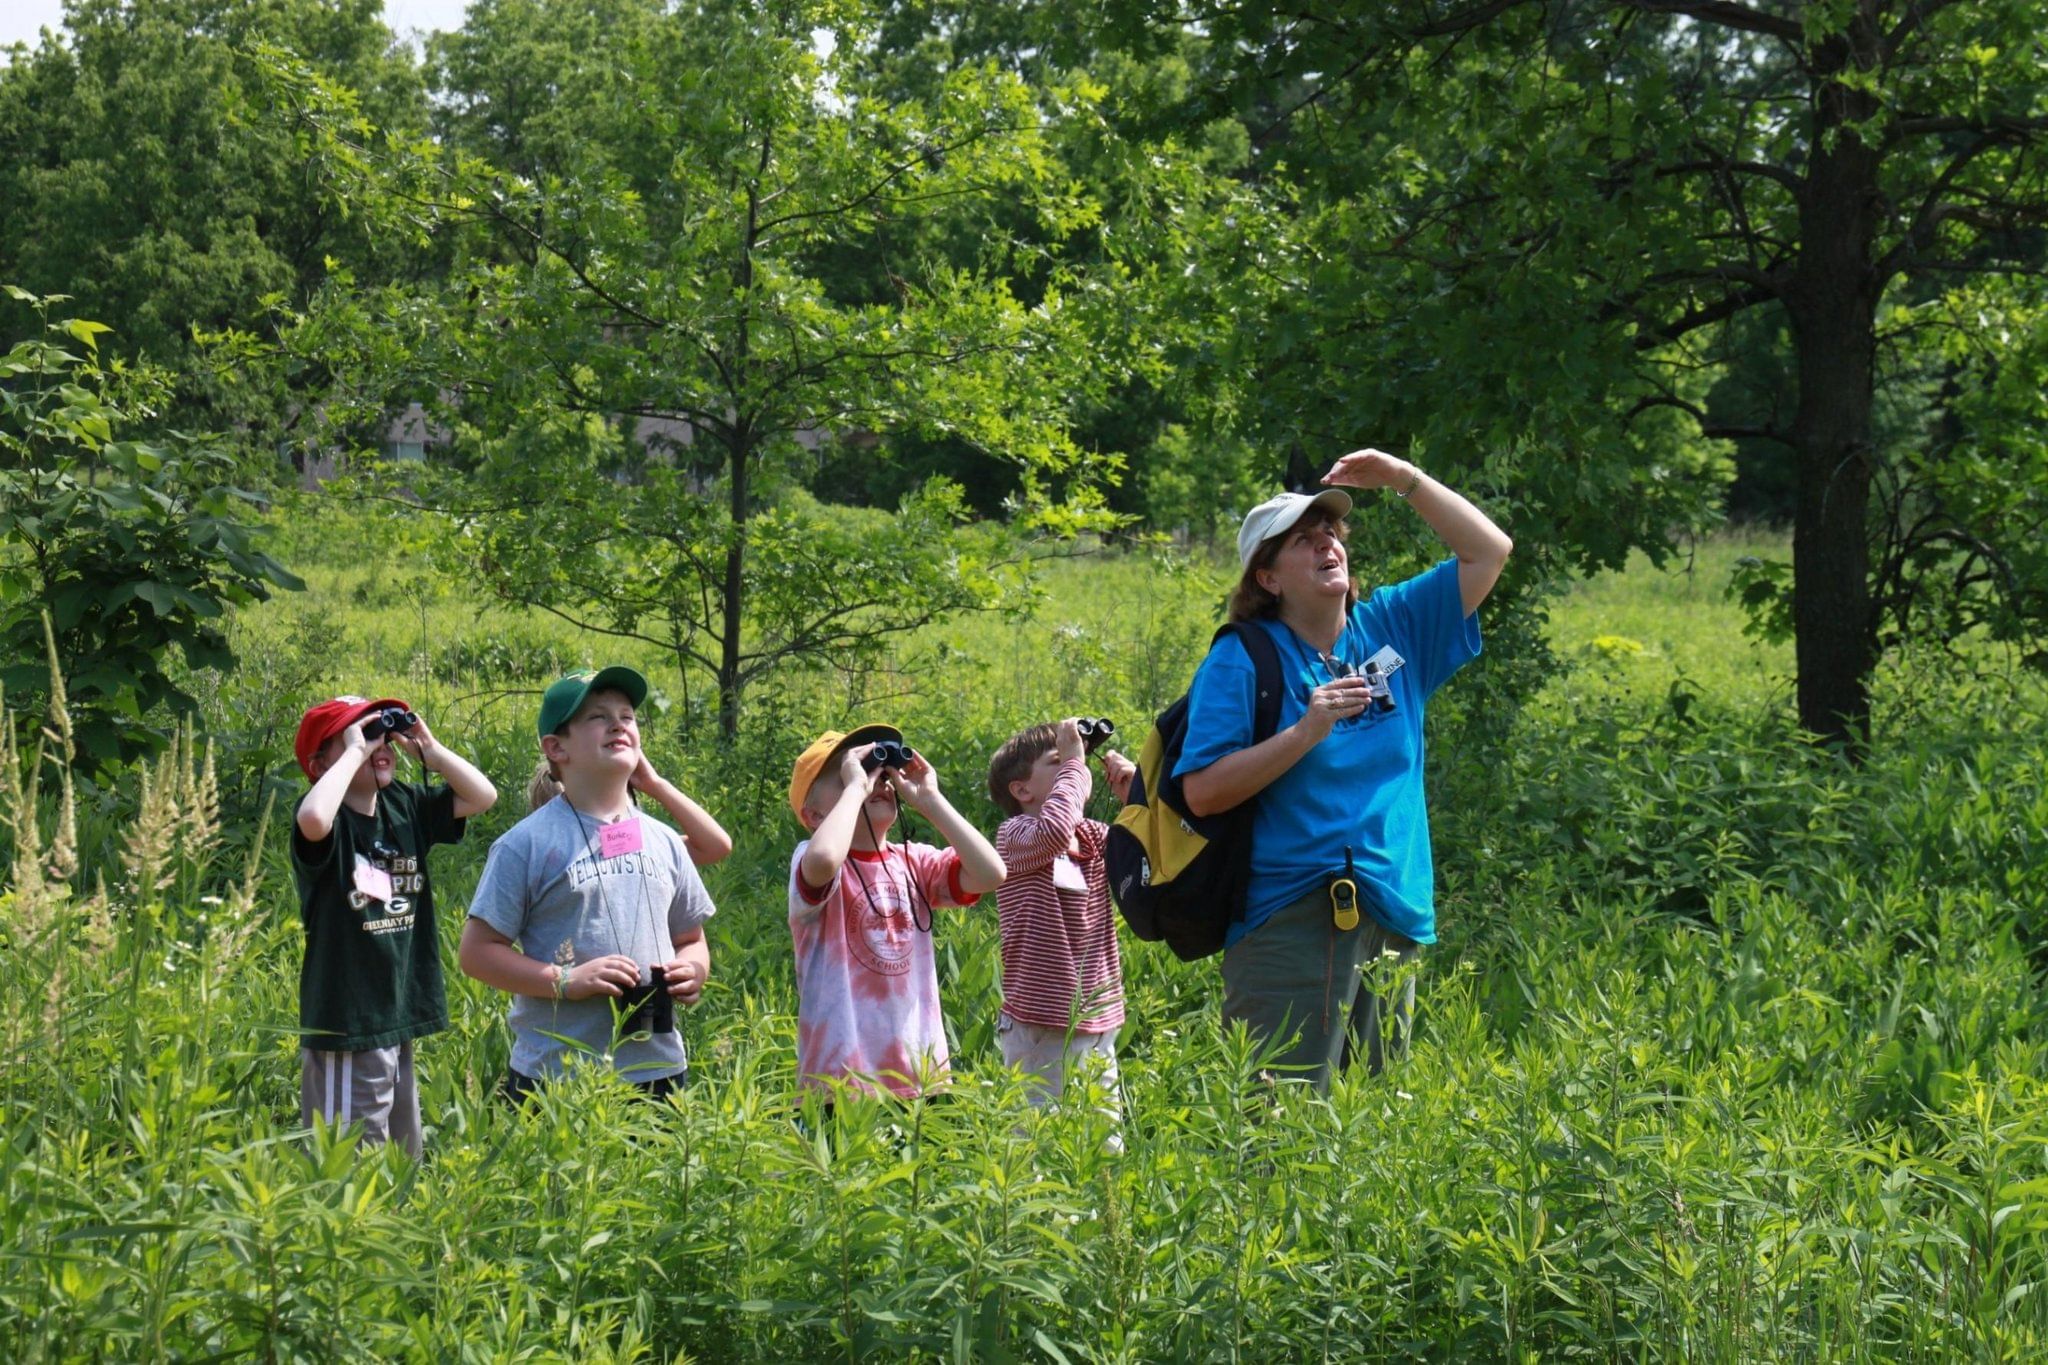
<point>1414,482</point>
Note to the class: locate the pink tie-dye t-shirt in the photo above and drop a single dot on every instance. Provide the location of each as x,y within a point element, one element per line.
<point>867,984</point>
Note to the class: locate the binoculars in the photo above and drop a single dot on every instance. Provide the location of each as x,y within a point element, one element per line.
<point>647,1008</point>
<point>390,721</point>
<point>887,753</point>
<point>1376,688</point>
<point>1094,730</point>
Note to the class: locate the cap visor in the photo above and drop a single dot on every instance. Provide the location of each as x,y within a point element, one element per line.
<point>1335,500</point>
<point>863,734</point>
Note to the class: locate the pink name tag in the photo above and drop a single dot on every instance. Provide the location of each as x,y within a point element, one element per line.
<point>372,881</point>
<point>622,837</point>
<point>1067,874</point>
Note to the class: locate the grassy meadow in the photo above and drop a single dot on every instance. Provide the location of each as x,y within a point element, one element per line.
<point>1730,1052</point>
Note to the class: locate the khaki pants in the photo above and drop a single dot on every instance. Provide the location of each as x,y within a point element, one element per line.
<point>374,1087</point>
<point>1299,978</point>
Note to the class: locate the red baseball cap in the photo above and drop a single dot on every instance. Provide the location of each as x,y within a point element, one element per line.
<point>329,719</point>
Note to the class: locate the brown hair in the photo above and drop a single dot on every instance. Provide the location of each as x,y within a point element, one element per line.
<point>1013,763</point>
<point>544,787</point>
<point>1250,600</point>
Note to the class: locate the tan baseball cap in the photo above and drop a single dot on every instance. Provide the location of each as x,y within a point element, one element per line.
<point>824,751</point>
<point>1275,515</point>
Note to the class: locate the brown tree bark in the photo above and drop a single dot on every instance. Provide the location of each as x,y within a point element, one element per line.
<point>1832,301</point>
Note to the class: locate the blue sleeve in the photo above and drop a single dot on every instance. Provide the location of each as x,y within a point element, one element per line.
<point>1426,618</point>
<point>1220,705</point>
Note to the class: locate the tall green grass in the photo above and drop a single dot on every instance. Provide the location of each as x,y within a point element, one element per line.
<point>1732,1051</point>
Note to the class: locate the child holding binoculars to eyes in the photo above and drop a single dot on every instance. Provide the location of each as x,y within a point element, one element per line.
<point>370,981</point>
<point>1063,990</point>
<point>860,911</point>
<point>592,917</point>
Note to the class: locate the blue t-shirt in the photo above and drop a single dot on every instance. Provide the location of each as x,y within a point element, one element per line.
<point>1362,786</point>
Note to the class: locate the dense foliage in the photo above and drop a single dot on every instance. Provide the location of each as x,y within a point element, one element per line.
<point>133,547</point>
<point>1733,1052</point>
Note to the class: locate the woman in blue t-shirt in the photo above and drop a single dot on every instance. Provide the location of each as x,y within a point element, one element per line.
<point>1340,783</point>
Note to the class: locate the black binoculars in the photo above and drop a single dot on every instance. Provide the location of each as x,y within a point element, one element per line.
<point>390,721</point>
<point>647,1008</point>
<point>1094,729</point>
<point>887,753</point>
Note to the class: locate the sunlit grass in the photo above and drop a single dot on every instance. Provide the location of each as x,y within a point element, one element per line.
<point>1731,1052</point>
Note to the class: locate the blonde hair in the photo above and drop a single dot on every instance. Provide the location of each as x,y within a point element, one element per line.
<point>1249,600</point>
<point>544,787</point>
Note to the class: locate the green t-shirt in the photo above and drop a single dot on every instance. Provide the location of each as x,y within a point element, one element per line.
<point>372,971</point>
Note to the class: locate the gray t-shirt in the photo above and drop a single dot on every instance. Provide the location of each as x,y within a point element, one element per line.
<point>549,887</point>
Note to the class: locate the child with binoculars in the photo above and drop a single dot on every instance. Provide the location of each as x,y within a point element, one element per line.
<point>1063,990</point>
<point>860,912</point>
<point>370,981</point>
<point>592,917</point>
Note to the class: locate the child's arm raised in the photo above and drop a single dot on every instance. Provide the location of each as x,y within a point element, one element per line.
<point>705,837</point>
<point>1034,840</point>
<point>1119,771</point>
<point>319,806</point>
<point>474,793</point>
<point>981,868</point>
<point>830,841</point>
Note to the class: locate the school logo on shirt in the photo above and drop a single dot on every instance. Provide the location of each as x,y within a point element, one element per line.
<point>881,931</point>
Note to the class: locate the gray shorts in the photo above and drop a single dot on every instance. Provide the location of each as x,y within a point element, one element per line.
<point>374,1087</point>
<point>1300,981</point>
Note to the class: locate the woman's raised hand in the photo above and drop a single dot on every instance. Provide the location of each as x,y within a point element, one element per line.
<point>1369,468</point>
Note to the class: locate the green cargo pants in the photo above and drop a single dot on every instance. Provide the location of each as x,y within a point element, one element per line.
<point>1300,978</point>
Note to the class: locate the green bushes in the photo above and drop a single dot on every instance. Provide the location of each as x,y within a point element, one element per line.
<point>1731,1052</point>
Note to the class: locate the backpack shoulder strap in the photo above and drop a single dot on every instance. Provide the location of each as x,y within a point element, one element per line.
<point>1265,657</point>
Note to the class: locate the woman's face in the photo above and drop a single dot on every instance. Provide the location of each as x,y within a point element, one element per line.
<point>1311,564</point>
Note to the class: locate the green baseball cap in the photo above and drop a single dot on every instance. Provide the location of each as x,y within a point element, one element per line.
<point>560,702</point>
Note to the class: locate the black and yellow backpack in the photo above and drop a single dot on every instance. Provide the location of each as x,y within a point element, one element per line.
<point>1181,879</point>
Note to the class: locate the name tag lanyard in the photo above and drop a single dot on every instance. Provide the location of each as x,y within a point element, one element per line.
<point>592,836</point>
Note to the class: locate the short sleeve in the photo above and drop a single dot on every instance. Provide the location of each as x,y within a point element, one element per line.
<point>438,822</point>
<point>803,903</point>
<point>500,899</point>
<point>691,905</point>
<point>938,875</point>
<point>313,855</point>
<point>1430,627</point>
<point>1220,707</point>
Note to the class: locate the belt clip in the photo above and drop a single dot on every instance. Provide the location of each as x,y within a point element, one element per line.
<point>1344,897</point>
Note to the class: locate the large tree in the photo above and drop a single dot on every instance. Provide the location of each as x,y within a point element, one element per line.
<point>137,177</point>
<point>653,210</point>
<point>1559,226</point>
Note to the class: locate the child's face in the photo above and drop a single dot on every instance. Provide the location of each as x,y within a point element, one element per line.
<point>602,736</point>
<point>378,768</point>
<point>880,809</point>
<point>1032,789</point>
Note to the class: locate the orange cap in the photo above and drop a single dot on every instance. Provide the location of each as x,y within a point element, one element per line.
<point>823,750</point>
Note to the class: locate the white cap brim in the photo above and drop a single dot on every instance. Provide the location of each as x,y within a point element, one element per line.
<point>1277,515</point>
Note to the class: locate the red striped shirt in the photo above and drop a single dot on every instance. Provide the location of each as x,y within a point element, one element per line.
<point>1060,959</point>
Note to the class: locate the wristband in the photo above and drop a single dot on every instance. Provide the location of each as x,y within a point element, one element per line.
<point>1413,483</point>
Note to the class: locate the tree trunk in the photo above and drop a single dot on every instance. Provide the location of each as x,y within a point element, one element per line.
<point>730,598</point>
<point>1832,304</point>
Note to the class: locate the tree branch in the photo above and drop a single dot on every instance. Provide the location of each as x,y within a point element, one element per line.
<point>1725,15</point>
